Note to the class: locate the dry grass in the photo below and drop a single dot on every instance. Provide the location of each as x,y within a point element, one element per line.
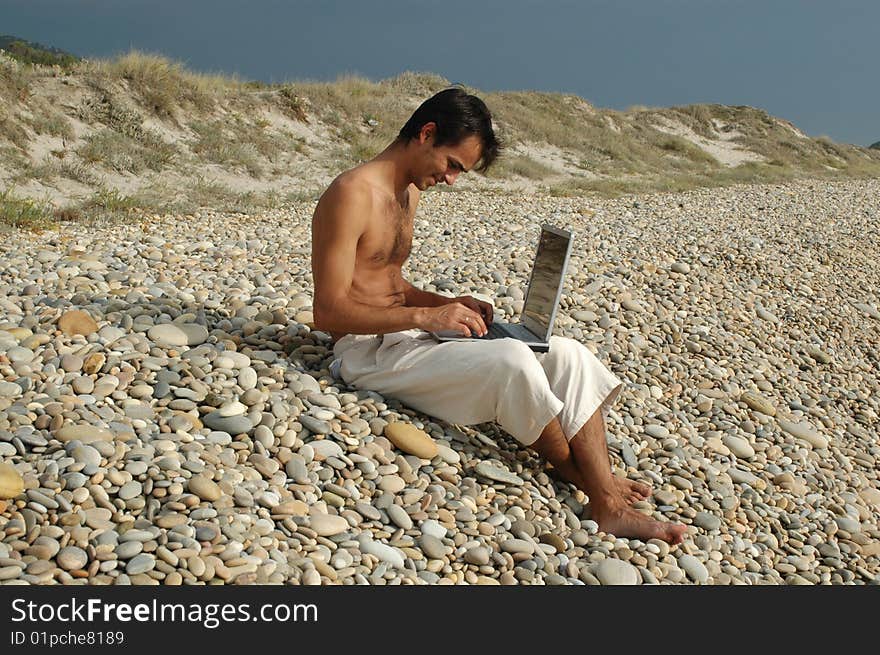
<point>53,123</point>
<point>62,165</point>
<point>292,105</point>
<point>123,153</point>
<point>213,194</point>
<point>219,144</point>
<point>15,80</point>
<point>521,165</point>
<point>366,115</point>
<point>161,84</point>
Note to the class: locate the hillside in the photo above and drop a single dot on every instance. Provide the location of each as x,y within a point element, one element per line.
<point>29,52</point>
<point>141,132</point>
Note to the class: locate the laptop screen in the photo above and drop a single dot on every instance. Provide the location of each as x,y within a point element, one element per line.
<point>545,286</point>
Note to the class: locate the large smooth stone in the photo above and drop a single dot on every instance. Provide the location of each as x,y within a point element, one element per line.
<point>9,389</point>
<point>76,321</point>
<point>11,484</point>
<point>411,440</point>
<point>871,496</point>
<point>204,487</point>
<point>84,433</point>
<point>616,572</point>
<point>738,446</point>
<point>72,558</point>
<point>327,525</point>
<point>291,508</point>
<point>314,425</point>
<point>694,568</point>
<point>433,528</point>
<point>385,553</point>
<point>497,474</point>
<point>758,403</point>
<point>766,314</point>
<point>434,548</point>
<point>232,408</point>
<point>195,334</point>
<point>805,432</point>
<point>168,334</point>
<point>868,309</point>
<point>326,448</point>
<point>231,424</point>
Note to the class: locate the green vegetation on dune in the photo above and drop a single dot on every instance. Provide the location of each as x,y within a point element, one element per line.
<point>28,52</point>
<point>23,212</point>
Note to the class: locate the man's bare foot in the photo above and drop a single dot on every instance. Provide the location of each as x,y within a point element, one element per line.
<point>626,522</point>
<point>632,491</point>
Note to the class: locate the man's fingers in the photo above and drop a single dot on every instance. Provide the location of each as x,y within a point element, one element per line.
<point>474,323</point>
<point>479,324</point>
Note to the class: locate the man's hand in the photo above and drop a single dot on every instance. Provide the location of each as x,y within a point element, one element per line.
<point>454,316</point>
<point>484,309</point>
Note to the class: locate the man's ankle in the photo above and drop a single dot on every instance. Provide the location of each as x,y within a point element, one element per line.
<point>606,500</point>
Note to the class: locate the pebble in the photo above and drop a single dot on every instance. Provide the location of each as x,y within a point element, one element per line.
<point>399,516</point>
<point>517,546</point>
<point>616,572</point>
<point>385,553</point>
<point>84,433</point>
<point>497,474</point>
<point>194,434</point>
<point>76,321</point>
<point>71,558</point>
<point>204,487</point>
<point>411,440</point>
<point>739,446</point>
<point>433,547</point>
<point>168,335</point>
<point>11,482</point>
<point>805,432</point>
<point>392,483</point>
<point>140,564</point>
<point>230,424</point>
<point>694,568</point>
<point>707,521</point>
<point>432,528</point>
<point>314,425</point>
<point>327,525</point>
<point>478,556</point>
<point>758,403</point>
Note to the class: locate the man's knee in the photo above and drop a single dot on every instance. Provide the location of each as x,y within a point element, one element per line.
<point>515,358</point>
<point>563,353</point>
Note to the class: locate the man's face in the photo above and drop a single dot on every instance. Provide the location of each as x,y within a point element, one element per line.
<point>444,163</point>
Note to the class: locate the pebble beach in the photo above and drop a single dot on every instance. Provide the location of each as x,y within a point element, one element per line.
<point>168,416</point>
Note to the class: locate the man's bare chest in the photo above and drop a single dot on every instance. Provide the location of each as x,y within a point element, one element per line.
<point>388,239</point>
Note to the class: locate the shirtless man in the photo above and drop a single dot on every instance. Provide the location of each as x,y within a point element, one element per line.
<point>361,236</point>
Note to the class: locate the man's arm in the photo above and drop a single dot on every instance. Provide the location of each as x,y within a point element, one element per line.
<point>337,226</point>
<point>416,297</point>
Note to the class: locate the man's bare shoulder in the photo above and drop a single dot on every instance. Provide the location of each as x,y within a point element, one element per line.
<point>349,190</point>
<point>348,199</point>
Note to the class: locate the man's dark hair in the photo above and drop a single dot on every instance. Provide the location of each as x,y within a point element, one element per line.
<point>457,115</point>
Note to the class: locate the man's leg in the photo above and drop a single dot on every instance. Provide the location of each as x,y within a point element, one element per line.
<point>584,461</point>
<point>554,447</point>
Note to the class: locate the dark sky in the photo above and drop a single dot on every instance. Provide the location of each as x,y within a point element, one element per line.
<point>813,63</point>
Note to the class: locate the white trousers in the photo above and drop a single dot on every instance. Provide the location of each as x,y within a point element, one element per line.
<point>468,382</point>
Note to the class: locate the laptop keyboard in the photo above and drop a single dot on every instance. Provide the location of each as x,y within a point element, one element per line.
<point>495,332</point>
<point>510,330</point>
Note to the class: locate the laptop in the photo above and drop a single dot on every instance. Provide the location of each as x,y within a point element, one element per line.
<point>542,296</point>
